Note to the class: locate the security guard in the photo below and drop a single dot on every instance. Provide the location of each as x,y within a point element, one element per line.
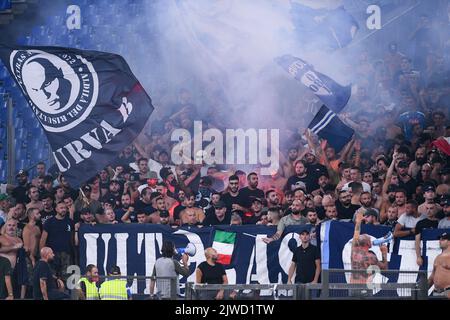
<point>88,284</point>
<point>114,289</point>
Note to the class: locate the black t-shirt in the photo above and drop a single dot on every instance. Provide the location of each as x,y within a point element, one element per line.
<point>20,193</point>
<point>345,213</point>
<point>320,212</point>
<point>5,270</point>
<point>121,212</point>
<point>141,207</point>
<point>211,274</point>
<point>45,215</point>
<point>426,224</point>
<point>42,271</point>
<point>316,169</point>
<point>305,260</point>
<point>309,180</point>
<point>410,187</point>
<point>212,220</point>
<point>229,200</point>
<point>59,234</point>
<point>247,194</point>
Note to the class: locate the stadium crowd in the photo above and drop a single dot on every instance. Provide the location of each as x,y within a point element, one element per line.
<point>395,170</point>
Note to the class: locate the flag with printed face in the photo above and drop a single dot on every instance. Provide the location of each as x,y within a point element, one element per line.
<point>327,125</point>
<point>332,94</point>
<point>224,244</point>
<point>89,104</point>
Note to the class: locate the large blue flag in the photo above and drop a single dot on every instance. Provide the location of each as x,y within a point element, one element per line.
<point>89,103</point>
<point>327,125</point>
<point>323,28</point>
<point>332,94</point>
<point>5,4</point>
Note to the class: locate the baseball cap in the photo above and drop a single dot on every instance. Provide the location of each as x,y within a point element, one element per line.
<point>46,195</point>
<point>115,270</point>
<point>305,231</point>
<point>299,184</point>
<point>371,212</point>
<point>445,236</point>
<point>220,205</point>
<point>403,164</point>
<point>428,188</point>
<point>256,199</point>
<point>445,202</point>
<point>85,210</point>
<point>164,214</point>
<point>86,188</point>
<point>114,181</point>
<point>111,201</point>
<point>22,172</point>
<point>153,175</point>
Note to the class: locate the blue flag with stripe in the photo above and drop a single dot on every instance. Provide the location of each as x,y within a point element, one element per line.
<point>332,94</point>
<point>327,125</point>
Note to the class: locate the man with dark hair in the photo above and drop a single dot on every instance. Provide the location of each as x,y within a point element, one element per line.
<point>20,192</point>
<point>48,210</point>
<point>301,174</point>
<point>165,267</point>
<point>233,199</point>
<point>221,216</point>
<point>33,194</point>
<point>254,215</point>
<point>191,210</point>
<point>144,204</point>
<point>345,208</point>
<point>405,181</point>
<point>251,191</point>
<point>272,198</point>
<point>144,172</point>
<point>400,201</point>
<point>88,284</point>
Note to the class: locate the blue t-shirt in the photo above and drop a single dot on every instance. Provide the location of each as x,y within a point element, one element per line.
<point>59,234</point>
<point>408,119</point>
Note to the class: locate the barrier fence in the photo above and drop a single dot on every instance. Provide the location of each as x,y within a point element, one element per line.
<point>335,284</point>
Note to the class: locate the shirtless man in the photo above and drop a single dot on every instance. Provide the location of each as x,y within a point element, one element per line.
<point>10,243</point>
<point>33,194</point>
<point>190,202</point>
<point>440,276</point>
<point>32,235</point>
<point>362,258</point>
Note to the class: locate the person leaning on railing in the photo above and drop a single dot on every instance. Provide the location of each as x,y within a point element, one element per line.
<point>115,288</point>
<point>88,284</point>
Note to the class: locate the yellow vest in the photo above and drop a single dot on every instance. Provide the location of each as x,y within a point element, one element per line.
<point>91,289</point>
<point>114,290</point>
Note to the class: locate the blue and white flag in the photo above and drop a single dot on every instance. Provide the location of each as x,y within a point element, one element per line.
<point>332,94</point>
<point>89,103</point>
<point>323,28</point>
<point>327,125</point>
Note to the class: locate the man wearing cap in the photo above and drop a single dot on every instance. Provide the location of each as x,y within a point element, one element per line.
<point>115,288</point>
<point>440,276</point>
<point>444,223</point>
<point>221,216</point>
<point>20,192</point>
<point>253,216</point>
<point>164,218</point>
<point>430,198</point>
<point>305,261</point>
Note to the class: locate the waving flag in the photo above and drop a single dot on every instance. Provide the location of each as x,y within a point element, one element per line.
<point>89,103</point>
<point>327,125</point>
<point>224,245</point>
<point>332,94</point>
<point>323,28</point>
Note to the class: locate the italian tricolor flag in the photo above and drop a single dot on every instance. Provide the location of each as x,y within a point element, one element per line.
<point>224,245</point>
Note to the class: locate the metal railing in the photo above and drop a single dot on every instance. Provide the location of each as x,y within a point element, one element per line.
<point>335,284</point>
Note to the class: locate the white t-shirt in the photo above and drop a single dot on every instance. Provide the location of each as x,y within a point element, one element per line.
<point>444,223</point>
<point>409,221</point>
<point>366,186</point>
